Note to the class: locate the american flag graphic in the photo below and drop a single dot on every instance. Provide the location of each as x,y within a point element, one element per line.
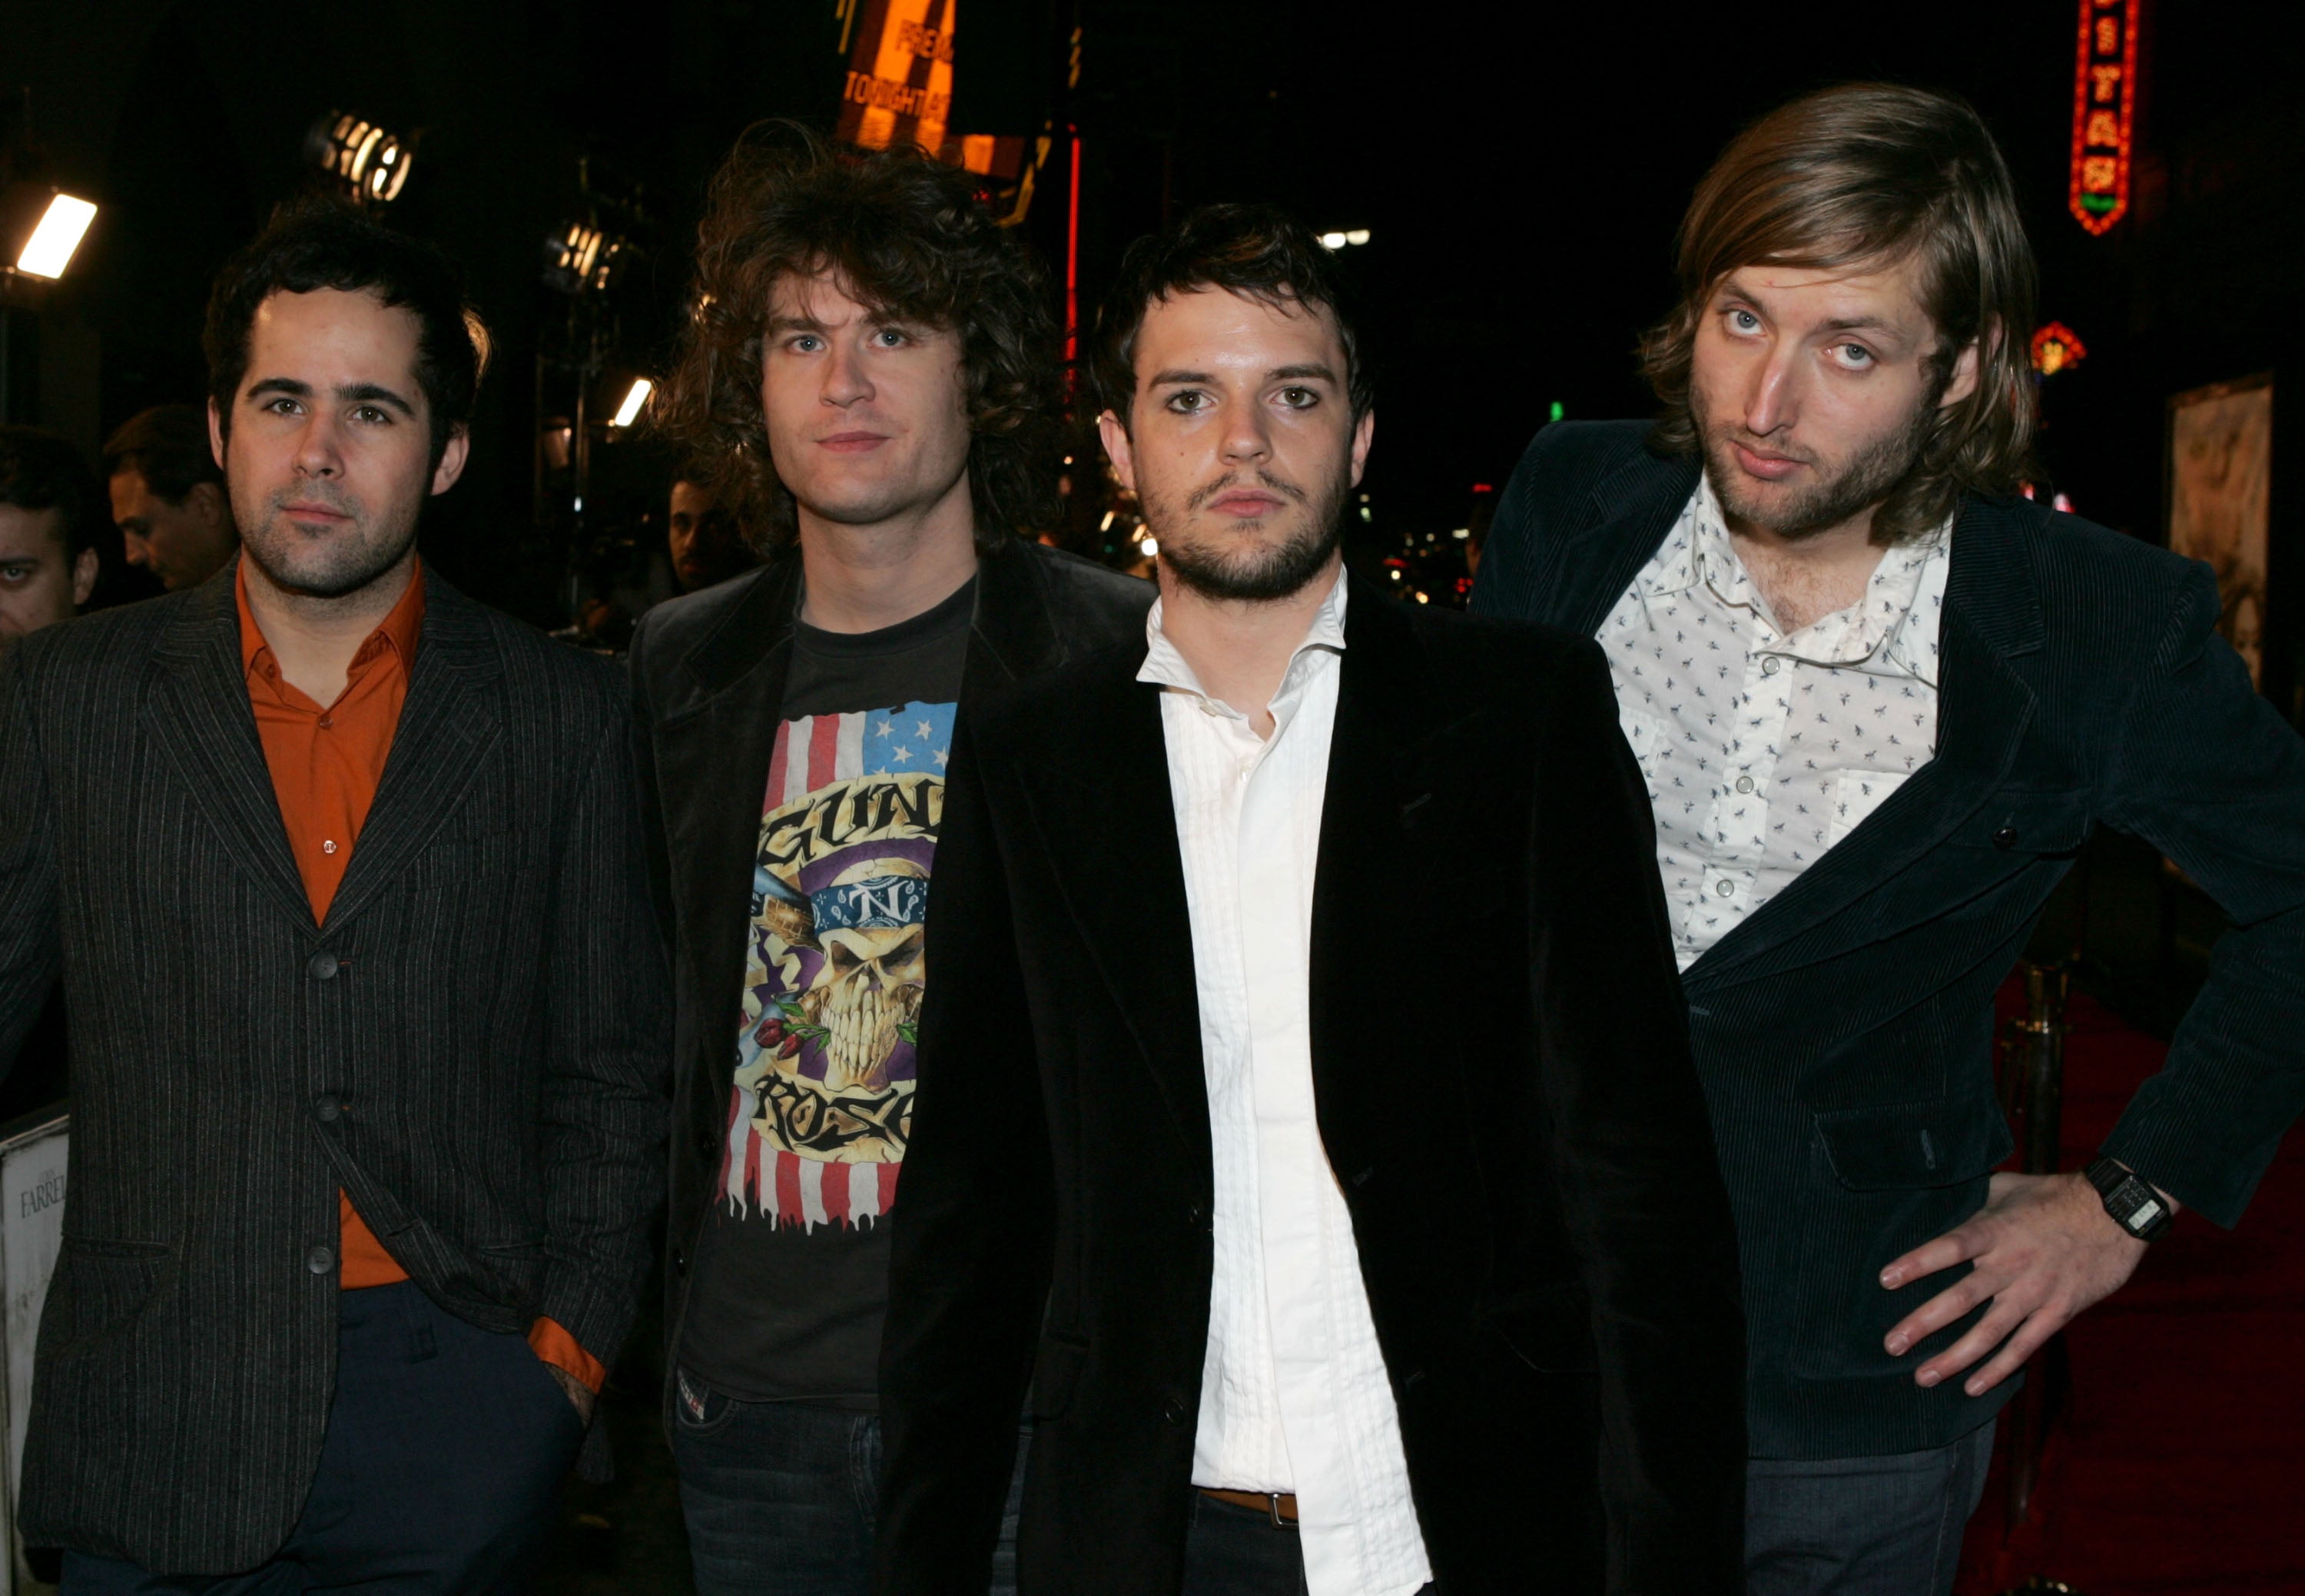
<point>758,1177</point>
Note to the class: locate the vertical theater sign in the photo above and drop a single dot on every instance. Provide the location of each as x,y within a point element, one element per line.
<point>2104,103</point>
<point>899,87</point>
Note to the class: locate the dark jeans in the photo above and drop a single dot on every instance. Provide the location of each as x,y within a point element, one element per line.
<point>440,1469</point>
<point>1233,1550</point>
<point>779,1496</point>
<point>1862,1526</point>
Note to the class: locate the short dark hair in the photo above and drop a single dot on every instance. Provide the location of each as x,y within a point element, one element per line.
<point>315,243</point>
<point>1258,252</point>
<point>1852,176</point>
<point>906,236</point>
<point>168,447</point>
<point>39,471</point>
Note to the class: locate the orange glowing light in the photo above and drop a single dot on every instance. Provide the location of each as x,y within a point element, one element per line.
<point>2105,106</point>
<point>2056,346</point>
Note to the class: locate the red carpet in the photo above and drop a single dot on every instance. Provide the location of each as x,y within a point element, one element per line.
<point>2176,1466</point>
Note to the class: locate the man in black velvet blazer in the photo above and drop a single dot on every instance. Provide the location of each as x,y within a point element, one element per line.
<point>1844,1025</point>
<point>1497,1059</point>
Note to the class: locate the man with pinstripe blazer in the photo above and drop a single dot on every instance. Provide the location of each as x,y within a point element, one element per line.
<point>341,874</point>
<point>1881,701</point>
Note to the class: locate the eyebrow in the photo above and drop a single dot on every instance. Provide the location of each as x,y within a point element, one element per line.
<point>351,393</point>
<point>1302,373</point>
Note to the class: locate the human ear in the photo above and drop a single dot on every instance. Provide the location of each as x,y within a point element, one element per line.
<point>452,461</point>
<point>1964,370</point>
<point>85,567</point>
<point>1120,448</point>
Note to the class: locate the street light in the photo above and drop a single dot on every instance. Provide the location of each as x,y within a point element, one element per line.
<point>370,160</point>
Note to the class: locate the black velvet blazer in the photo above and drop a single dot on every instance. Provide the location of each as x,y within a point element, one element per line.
<point>1504,1094</point>
<point>1844,1029</point>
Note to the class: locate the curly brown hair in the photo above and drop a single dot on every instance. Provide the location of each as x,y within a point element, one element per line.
<point>910,239</point>
<point>1867,173</point>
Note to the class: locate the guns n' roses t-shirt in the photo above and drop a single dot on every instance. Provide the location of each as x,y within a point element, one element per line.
<point>791,1274</point>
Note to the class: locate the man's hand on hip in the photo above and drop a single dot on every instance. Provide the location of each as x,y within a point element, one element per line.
<point>578,1392</point>
<point>2043,1250</point>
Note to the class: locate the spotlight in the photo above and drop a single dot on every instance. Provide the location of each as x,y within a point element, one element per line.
<point>62,223</point>
<point>368,161</point>
<point>1344,236</point>
<point>635,398</point>
<point>581,258</point>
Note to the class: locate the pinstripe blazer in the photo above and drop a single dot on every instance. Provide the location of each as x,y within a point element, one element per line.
<point>1844,1029</point>
<point>473,1045</point>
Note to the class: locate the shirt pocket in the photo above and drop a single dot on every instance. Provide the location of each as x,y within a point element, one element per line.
<point>1859,793</point>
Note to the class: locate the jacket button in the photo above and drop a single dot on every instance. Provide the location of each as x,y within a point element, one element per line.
<point>322,966</point>
<point>319,1260</point>
<point>2005,838</point>
<point>1175,1412</point>
<point>328,1106</point>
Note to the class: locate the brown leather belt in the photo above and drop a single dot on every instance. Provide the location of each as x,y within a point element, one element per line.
<point>1281,1509</point>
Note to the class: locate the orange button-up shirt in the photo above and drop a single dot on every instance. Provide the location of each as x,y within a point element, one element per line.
<point>326,762</point>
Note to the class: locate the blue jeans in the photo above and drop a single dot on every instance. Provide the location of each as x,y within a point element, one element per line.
<point>440,1469</point>
<point>780,1496</point>
<point>1862,1526</point>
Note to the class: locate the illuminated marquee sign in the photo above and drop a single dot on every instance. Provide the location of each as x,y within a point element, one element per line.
<point>899,87</point>
<point>2105,101</point>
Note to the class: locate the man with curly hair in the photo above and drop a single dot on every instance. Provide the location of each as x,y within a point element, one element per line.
<point>870,380</point>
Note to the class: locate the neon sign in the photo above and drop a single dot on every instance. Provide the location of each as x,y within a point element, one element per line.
<point>2104,103</point>
<point>2056,346</point>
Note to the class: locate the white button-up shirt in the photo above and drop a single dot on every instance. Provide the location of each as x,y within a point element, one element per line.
<point>1293,1394</point>
<point>1763,750</point>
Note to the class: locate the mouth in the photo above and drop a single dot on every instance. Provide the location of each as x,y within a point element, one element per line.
<point>1759,462</point>
<point>305,511</point>
<point>1243,504</point>
<point>852,443</point>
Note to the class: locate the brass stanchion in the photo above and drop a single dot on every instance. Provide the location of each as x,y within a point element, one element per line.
<point>2032,1089</point>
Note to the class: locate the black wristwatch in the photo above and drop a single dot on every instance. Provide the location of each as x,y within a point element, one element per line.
<point>2134,1206</point>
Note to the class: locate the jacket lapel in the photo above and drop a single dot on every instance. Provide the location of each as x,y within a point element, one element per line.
<point>1013,635</point>
<point>195,708</point>
<point>1992,615</point>
<point>449,719</point>
<point>1102,804</point>
<point>1633,508</point>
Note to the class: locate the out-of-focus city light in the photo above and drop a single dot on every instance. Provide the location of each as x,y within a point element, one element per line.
<point>1343,236</point>
<point>1462,531</point>
<point>1151,546</point>
<point>1106,524</point>
<point>61,227</point>
<point>371,161</point>
<point>1357,236</point>
<point>2056,346</point>
<point>1555,414</point>
<point>635,398</point>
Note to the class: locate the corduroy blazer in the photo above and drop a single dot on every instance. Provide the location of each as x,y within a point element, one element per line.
<point>708,685</point>
<point>1844,1029</point>
<point>1505,1094</point>
<point>472,1045</point>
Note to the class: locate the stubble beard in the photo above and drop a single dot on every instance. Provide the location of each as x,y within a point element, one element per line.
<point>1869,476</point>
<point>335,565</point>
<point>1266,571</point>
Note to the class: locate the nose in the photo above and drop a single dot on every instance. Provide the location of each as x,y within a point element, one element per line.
<point>138,551</point>
<point>1248,434</point>
<point>319,451</point>
<point>846,381</point>
<point>1773,398</point>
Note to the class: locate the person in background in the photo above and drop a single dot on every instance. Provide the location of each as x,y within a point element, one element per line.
<point>168,495</point>
<point>1880,701</point>
<point>706,543</point>
<point>361,1187</point>
<point>875,370</point>
<point>49,515</point>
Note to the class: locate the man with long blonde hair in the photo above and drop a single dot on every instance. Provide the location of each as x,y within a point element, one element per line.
<point>1880,701</point>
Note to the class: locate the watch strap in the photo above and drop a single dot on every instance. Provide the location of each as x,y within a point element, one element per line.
<point>2130,1201</point>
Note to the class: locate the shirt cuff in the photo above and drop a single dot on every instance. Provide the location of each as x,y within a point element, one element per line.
<point>558,1348</point>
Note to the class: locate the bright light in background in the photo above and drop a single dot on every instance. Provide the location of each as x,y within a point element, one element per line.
<point>1333,240</point>
<point>63,224</point>
<point>1106,524</point>
<point>1338,240</point>
<point>1151,546</point>
<point>1357,236</point>
<point>635,398</point>
<point>1462,531</point>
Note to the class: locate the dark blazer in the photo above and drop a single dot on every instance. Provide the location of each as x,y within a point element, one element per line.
<point>470,1045</point>
<point>1504,1093</point>
<point>709,686</point>
<point>1845,1029</point>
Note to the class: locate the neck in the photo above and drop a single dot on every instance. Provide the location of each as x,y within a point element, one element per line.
<point>865,578</point>
<point>313,639</point>
<point>1241,648</point>
<point>1805,579</point>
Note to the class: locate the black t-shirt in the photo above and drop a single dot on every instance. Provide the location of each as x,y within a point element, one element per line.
<point>791,1277</point>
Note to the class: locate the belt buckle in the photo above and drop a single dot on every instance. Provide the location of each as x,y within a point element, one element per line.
<point>1272,1511</point>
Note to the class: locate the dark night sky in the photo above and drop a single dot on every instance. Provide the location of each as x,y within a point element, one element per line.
<point>1521,169</point>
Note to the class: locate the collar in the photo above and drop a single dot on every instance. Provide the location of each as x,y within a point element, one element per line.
<point>396,634</point>
<point>1878,635</point>
<point>1324,639</point>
